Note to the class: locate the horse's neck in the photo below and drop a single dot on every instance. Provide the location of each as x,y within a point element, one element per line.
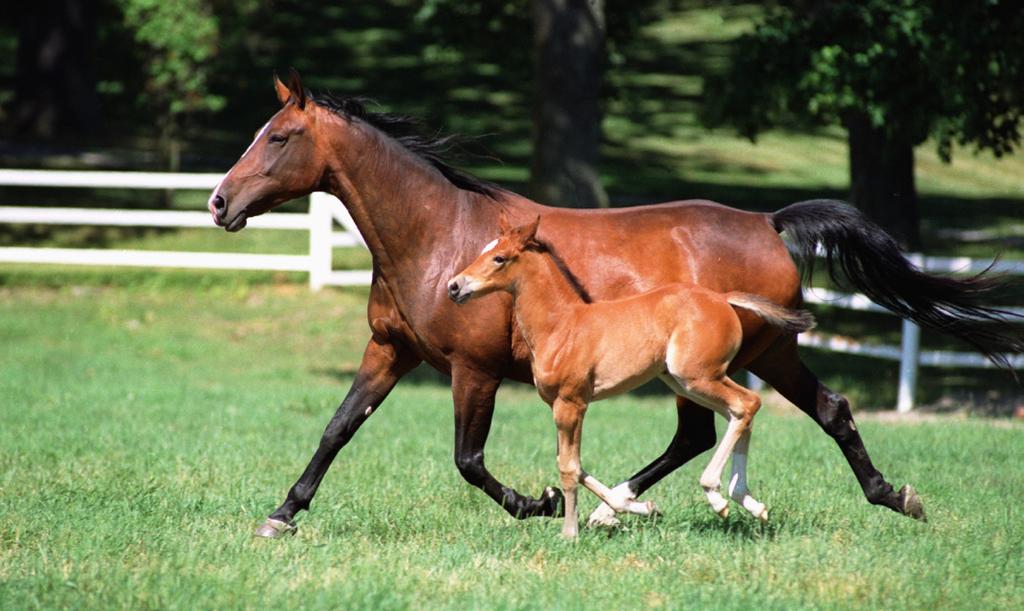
<point>542,296</point>
<point>406,211</point>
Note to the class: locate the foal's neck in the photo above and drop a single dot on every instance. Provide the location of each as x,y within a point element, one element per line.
<point>542,292</point>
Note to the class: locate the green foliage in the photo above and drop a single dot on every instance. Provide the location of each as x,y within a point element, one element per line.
<point>502,30</point>
<point>179,41</point>
<point>950,70</point>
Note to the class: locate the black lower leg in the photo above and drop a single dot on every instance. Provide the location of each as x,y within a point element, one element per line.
<point>473,394</point>
<point>549,504</point>
<point>351,414</point>
<point>782,368</point>
<point>382,366</point>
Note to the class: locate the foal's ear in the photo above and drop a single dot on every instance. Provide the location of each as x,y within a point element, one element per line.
<point>503,225</point>
<point>528,233</point>
<point>295,87</point>
<point>283,94</point>
<point>531,230</point>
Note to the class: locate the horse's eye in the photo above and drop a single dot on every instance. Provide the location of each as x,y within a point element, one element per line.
<point>499,260</point>
<point>277,139</point>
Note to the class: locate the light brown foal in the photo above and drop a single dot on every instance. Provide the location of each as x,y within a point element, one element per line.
<point>583,352</point>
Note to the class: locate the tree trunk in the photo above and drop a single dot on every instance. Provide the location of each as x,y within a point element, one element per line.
<point>882,180</point>
<point>569,56</point>
<point>55,85</point>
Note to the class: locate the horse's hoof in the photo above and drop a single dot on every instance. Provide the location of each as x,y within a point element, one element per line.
<point>652,509</point>
<point>910,503</point>
<point>723,512</point>
<point>553,502</point>
<point>274,529</point>
<point>763,516</point>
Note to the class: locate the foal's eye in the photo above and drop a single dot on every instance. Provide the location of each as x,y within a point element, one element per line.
<point>499,260</point>
<point>277,139</point>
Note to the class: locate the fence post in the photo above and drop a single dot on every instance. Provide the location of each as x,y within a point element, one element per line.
<point>910,355</point>
<point>320,250</point>
<point>754,383</point>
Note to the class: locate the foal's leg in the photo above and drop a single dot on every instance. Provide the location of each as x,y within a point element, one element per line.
<point>737,404</point>
<point>383,364</point>
<point>569,421</point>
<point>738,489</point>
<point>695,434</point>
<point>615,502</point>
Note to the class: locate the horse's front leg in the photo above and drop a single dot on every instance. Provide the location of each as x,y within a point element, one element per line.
<point>473,394</point>
<point>695,434</point>
<point>383,364</point>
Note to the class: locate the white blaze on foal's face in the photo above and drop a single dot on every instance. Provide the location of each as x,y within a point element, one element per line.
<point>490,246</point>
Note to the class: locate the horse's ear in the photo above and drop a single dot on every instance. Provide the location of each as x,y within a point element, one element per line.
<point>283,94</point>
<point>296,89</point>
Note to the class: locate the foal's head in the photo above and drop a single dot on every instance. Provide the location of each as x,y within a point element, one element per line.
<point>494,269</point>
<point>283,162</point>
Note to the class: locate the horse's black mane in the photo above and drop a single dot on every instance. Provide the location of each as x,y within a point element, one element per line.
<point>408,132</point>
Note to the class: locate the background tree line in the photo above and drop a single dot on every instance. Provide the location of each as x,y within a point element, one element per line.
<point>892,73</point>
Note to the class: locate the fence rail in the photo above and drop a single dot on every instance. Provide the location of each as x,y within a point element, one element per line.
<point>325,211</point>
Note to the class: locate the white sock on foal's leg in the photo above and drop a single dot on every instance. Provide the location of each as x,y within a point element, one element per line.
<point>738,489</point>
<point>618,503</point>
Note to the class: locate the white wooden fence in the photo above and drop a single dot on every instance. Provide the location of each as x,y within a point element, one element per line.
<point>325,210</point>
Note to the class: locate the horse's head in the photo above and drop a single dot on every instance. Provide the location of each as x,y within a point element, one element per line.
<point>494,269</point>
<point>282,163</point>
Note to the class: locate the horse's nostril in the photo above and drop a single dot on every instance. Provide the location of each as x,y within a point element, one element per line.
<point>453,288</point>
<point>219,204</point>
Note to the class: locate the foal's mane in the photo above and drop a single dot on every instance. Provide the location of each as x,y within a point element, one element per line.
<point>408,131</point>
<point>540,246</point>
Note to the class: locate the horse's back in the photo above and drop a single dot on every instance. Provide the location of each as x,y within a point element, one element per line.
<point>622,251</point>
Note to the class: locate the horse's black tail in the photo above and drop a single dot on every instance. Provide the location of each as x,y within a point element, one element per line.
<point>872,263</point>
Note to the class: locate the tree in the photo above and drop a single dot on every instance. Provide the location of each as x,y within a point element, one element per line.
<point>179,40</point>
<point>571,43</point>
<point>893,73</point>
<point>569,58</point>
<point>56,68</point>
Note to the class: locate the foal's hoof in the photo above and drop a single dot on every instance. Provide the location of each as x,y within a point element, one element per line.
<point>723,512</point>
<point>763,516</point>
<point>603,516</point>
<point>274,529</point>
<point>910,503</point>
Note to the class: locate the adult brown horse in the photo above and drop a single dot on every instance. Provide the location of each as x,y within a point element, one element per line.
<point>423,220</point>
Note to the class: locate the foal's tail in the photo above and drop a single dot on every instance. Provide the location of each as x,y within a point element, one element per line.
<point>785,319</point>
<point>873,264</point>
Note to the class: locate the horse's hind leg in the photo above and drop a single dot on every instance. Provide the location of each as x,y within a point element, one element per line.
<point>781,367</point>
<point>738,489</point>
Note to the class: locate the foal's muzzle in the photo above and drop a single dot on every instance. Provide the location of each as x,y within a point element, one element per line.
<point>455,292</point>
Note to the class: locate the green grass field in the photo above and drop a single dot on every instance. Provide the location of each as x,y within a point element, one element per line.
<point>149,421</point>
<point>150,425</point>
